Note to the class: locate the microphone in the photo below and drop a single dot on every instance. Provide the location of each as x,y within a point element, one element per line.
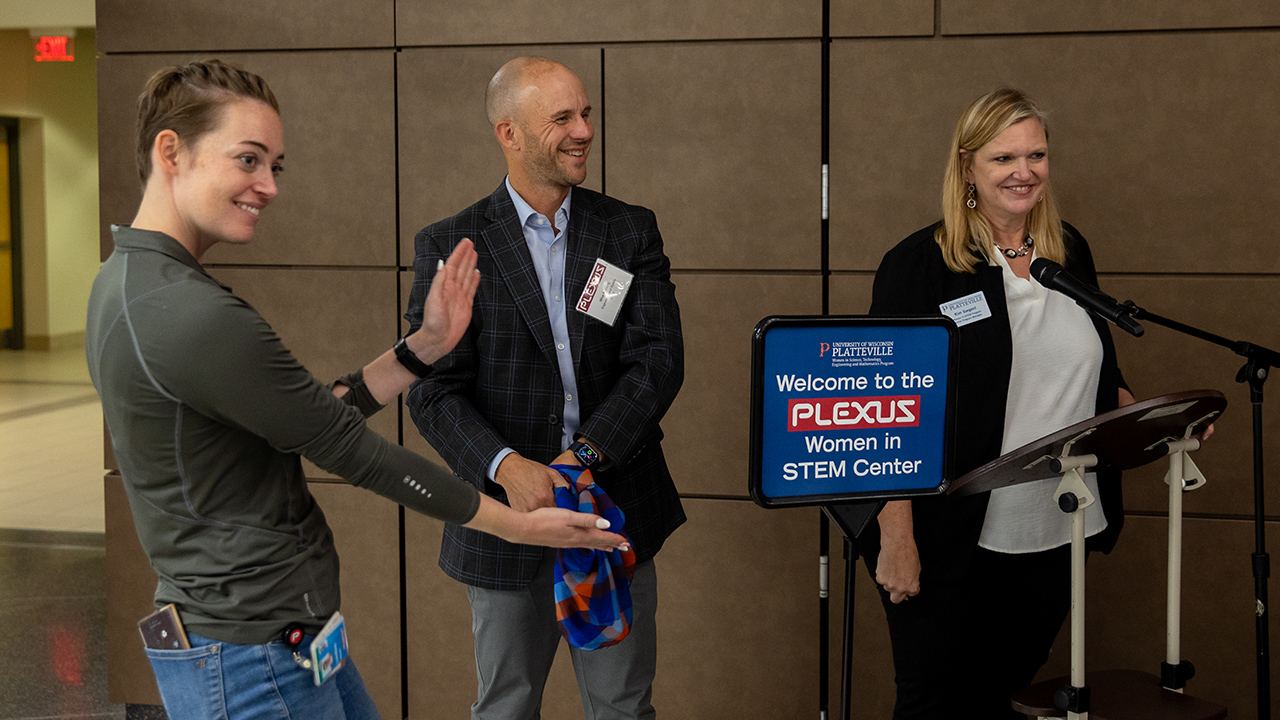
<point>1053,276</point>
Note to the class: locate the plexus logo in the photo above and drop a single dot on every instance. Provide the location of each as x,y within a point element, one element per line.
<point>807,415</point>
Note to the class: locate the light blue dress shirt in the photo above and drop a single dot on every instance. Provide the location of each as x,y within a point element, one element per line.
<point>547,249</point>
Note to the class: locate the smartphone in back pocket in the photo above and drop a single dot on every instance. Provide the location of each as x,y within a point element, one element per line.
<point>162,630</point>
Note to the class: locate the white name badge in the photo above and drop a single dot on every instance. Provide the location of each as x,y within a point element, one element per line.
<point>968,309</point>
<point>605,291</point>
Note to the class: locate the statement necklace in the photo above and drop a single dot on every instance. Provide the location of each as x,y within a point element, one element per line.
<point>1011,253</point>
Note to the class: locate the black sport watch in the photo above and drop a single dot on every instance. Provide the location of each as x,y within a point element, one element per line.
<point>411,361</point>
<point>586,454</point>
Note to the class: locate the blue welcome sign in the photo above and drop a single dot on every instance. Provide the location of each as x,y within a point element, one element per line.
<point>850,408</point>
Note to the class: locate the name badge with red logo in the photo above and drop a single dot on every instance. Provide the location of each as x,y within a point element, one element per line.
<point>605,292</point>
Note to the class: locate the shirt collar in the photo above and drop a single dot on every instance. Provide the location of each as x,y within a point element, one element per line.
<point>524,210</point>
<point>128,239</point>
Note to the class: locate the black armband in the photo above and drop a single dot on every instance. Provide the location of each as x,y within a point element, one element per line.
<point>358,394</point>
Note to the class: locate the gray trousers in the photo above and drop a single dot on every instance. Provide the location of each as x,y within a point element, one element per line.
<point>516,640</point>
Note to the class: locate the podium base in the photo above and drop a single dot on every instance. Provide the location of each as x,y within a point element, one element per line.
<point>1119,695</point>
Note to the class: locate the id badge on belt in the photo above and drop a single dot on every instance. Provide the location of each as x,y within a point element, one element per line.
<point>328,652</point>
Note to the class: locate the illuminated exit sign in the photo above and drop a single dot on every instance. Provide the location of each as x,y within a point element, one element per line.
<point>55,48</point>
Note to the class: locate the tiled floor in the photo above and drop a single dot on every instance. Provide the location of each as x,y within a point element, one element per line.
<point>50,443</point>
<point>52,603</point>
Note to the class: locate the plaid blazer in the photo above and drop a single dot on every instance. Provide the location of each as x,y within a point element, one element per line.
<point>500,387</point>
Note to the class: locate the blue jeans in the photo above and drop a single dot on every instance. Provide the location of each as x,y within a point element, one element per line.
<point>221,681</point>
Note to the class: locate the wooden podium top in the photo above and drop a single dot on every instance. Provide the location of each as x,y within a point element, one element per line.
<point>1122,439</point>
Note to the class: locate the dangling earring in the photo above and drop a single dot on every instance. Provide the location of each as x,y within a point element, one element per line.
<point>971,203</point>
<point>1040,199</point>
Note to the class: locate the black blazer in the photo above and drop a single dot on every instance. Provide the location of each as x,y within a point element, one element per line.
<point>500,387</point>
<point>913,279</point>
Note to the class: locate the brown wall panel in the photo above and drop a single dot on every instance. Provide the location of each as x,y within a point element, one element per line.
<point>337,197</point>
<point>1164,361</point>
<point>881,18</point>
<point>131,586</point>
<point>723,142</point>
<point>487,22</point>
<point>410,435</point>
<point>150,25</point>
<point>975,17</point>
<point>850,293</point>
<point>708,426</point>
<point>738,613</point>
<point>1126,608</point>
<point>441,654</point>
<point>449,157</point>
<point>1149,163</point>
<point>872,688</point>
<point>333,321</point>
<point>438,621</point>
<point>366,533</point>
<point>1125,615</point>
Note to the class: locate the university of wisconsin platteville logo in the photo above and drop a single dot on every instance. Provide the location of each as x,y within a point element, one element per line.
<point>853,354</point>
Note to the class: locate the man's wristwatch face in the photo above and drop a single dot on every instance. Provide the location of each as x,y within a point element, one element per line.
<point>585,454</point>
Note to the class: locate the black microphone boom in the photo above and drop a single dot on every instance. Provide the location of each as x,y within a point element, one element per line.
<point>1053,276</point>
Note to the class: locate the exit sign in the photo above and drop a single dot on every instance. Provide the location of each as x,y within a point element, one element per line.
<point>55,48</point>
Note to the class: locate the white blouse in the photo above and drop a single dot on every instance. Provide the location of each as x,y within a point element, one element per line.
<point>1057,360</point>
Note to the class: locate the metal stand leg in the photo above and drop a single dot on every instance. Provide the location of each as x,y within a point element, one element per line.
<point>846,652</point>
<point>1073,497</point>
<point>1174,671</point>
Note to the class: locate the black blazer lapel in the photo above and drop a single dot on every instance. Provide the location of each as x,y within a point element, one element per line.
<point>506,244</point>
<point>587,232</point>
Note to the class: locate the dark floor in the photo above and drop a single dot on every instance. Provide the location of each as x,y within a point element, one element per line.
<point>53,617</point>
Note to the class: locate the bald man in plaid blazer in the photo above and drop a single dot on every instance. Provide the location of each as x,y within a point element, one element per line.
<point>534,374</point>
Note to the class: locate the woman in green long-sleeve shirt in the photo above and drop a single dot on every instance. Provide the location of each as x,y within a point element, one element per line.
<point>209,414</point>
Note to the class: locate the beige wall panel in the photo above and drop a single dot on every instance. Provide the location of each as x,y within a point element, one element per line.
<point>449,157</point>
<point>879,18</point>
<point>1133,166</point>
<point>337,197</point>
<point>150,25</point>
<point>1126,608</point>
<point>708,426</point>
<point>333,321</point>
<point>366,533</point>
<point>489,22</point>
<point>130,585</point>
<point>1164,361</point>
<point>975,17</point>
<point>729,160</point>
<point>738,613</point>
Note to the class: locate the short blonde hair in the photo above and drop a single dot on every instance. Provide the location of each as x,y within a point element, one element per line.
<point>965,235</point>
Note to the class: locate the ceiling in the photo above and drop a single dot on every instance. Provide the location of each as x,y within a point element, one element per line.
<point>24,14</point>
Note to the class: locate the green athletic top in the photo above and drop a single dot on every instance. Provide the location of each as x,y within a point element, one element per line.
<point>209,413</point>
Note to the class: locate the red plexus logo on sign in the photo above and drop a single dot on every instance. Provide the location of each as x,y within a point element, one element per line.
<point>852,413</point>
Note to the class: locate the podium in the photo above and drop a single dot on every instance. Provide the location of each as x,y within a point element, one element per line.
<point>1122,439</point>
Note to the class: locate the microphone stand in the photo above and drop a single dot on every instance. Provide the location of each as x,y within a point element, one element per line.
<point>1259,361</point>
